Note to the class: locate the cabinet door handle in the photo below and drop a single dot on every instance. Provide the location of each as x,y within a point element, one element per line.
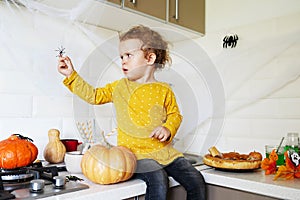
<point>176,10</point>
<point>133,1</point>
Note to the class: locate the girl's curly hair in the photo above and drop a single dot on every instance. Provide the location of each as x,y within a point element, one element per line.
<point>152,43</point>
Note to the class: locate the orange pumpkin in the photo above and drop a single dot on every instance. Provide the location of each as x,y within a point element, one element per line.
<point>107,165</point>
<point>17,151</point>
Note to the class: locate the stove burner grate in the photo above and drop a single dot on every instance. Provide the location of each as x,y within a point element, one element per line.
<point>4,172</point>
<point>12,179</point>
<point>6,195</point>
<point>16,183</point>
<point>18,178</point>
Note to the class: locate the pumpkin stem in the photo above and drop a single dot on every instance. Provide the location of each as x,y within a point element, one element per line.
<point>106,143</point>
<point>23,137</point>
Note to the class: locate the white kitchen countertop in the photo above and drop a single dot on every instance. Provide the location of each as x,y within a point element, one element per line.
<point>254,182</point>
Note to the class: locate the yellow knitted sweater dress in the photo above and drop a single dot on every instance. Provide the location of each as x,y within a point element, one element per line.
<point>140,108</point>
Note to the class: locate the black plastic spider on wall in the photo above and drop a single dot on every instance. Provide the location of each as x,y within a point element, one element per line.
<point>230,40</point>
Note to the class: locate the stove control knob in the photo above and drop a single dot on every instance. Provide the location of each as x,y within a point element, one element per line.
<point>59,181</point>
<point>37,185</point>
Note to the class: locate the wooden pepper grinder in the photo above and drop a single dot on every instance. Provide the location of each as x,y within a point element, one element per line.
<point>55,150</point>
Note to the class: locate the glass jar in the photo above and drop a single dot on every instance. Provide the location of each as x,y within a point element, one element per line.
<point>292,142</point>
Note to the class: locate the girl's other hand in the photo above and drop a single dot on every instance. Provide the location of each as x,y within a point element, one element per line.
<point>161,133</point>
<point>65,66</point>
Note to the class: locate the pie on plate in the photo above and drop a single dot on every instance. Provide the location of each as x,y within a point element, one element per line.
<point>232,160</point>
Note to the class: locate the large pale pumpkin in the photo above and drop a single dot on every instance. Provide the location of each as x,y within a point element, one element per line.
<point>17,151</point>
<point>108,165</point>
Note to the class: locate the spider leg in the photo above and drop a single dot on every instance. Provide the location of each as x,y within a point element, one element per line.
<point>230,41</point>
<point>225,41</point>
<point>235,38</point>
<point>233,44</point>
<point>224,45</point>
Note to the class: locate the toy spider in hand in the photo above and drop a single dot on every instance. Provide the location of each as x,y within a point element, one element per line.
<point>61,51</point>
<point>230,40</point>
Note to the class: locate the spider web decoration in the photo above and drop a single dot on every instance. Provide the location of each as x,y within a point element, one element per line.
<point>230,40</point>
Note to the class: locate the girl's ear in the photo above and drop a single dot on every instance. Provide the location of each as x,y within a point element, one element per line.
<point>151,57</point>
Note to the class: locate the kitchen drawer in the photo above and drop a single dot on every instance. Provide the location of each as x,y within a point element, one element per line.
<point>215,192</point>
<point>175,193</point>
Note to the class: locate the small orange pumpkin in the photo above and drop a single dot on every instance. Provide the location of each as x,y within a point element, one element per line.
<point>17,151</point>
<point>107,165</point>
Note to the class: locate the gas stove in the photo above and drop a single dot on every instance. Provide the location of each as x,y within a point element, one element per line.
<point>36,181</point>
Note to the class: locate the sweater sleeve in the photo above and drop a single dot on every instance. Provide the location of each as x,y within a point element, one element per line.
<point>88,93</point>
<point>174,118</point>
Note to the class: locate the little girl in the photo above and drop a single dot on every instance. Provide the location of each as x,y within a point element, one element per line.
<point>146,111</point>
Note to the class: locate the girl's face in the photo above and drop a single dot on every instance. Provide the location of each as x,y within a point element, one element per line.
<point>134,64</point>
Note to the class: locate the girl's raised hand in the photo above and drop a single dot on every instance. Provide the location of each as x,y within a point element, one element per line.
<point>65,66</point>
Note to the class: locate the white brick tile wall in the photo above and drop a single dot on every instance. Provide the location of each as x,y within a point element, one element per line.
<point>260,77</point>
<point>15,105</point>
<point>16,82</point>
<point>52,106</point>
